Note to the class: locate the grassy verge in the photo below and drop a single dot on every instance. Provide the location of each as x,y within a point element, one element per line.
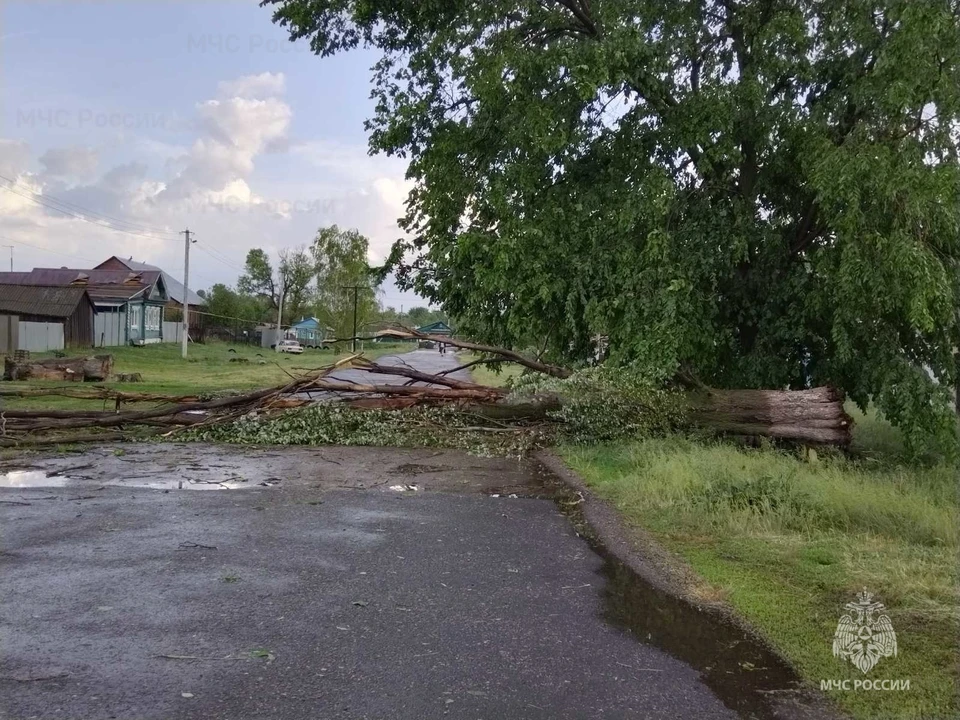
<point>209,368</point>
<point>788,542</point>
<point>488,374</point>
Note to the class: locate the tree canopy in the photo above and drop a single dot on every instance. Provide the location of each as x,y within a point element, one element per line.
<point>292,281</point>
<point>760,192</point>
<point>340,263</point>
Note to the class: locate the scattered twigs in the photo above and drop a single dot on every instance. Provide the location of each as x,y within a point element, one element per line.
<point>511,355</point>
<point>413,374</point>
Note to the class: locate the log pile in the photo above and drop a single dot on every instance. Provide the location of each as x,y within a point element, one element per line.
<point>808,416</point>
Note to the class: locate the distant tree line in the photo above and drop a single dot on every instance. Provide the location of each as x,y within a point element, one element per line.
<point>315,280</point>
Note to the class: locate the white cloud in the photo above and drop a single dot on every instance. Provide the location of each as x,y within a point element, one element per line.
<point>70,162</point>
<point>264,85</point>
<point>14,157</point>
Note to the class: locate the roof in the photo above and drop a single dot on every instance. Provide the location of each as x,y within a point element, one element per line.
<point>112,284</point>
<point>174,287</point>
<point>58,302</point>
<point>307,323</point>
<point>436,327</point>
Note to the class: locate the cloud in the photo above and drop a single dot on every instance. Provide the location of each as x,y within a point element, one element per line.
<point>76,161</point>
<point>14,157</point>
<point>235,129</point>
<point>264,85</point>
<point>212,180</point>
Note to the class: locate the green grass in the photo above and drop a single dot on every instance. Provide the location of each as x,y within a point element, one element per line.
<point>788,542</point>
<point>207,369</point>
<point>488,374</point>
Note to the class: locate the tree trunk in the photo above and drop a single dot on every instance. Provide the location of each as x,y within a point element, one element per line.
<point>79,369</point>
<point>812,416</point>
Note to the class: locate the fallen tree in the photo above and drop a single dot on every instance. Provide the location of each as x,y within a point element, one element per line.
<point>590,404</point>
<point>96,368</point>
<point>813,416</point>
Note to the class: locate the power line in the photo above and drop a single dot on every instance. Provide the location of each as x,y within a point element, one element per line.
<point>216,255</point>
<point>47,250</point>
<point>57,201</point>
<point>34,198</point>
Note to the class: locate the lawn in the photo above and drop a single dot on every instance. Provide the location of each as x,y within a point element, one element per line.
<point>209,368</point>
<point>788,541</point>
<point>490,374</point>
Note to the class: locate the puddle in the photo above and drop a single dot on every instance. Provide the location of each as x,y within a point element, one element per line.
<point>741,671</point>
<point>47,478</point>
<point>32,478</point>
<point>745,674</point>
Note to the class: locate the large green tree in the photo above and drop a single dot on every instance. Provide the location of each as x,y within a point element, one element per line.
<point>346,288</point>
<point>227,306</point>
<point>291,280</point>
<point>762,192</point>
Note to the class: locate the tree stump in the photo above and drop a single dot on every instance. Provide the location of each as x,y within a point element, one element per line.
<point>129,377</point>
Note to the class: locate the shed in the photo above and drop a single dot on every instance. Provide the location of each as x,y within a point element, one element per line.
<point>46,317</point>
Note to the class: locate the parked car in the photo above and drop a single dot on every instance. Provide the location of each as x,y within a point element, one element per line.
<point>290,346</point>
<point>426,344</point>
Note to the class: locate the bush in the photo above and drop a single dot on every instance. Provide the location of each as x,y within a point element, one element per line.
<point>605,404</point>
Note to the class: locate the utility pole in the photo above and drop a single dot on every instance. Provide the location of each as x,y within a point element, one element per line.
<point>279,315</point>
<point>11,255</point>
<point>356,289</point>
<point>186,291</point>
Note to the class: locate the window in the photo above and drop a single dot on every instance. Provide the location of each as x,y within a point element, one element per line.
<point>152,317</point>
<point>135,319</point>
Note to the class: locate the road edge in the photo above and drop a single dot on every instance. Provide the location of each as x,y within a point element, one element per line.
<point>664,570</point>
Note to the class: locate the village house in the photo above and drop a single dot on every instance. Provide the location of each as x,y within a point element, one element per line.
<point>178,296</point>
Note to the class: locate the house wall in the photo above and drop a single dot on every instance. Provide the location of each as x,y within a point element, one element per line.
<point>9,333</point>
<point>110,327</point>
<point>40,336</point>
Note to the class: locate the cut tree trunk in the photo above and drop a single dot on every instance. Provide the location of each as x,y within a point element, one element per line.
<point>96,368</point>
<point>813,416</point>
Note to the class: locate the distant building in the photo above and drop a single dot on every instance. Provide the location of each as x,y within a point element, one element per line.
<point>309,332</point>
<point>437,328</point>
<point>392,335</point>
<point>128,306</point>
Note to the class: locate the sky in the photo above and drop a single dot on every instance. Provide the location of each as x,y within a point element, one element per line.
<point>160,116</point>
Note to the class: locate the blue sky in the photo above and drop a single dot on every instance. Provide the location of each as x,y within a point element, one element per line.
<point>183,113</point>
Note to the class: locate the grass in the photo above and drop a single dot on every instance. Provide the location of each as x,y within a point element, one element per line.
<point>207,370</point>
<point>489,374</point>
<point>787,542</point>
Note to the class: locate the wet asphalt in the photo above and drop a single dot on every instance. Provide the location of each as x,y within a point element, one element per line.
<point>324,583</point>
